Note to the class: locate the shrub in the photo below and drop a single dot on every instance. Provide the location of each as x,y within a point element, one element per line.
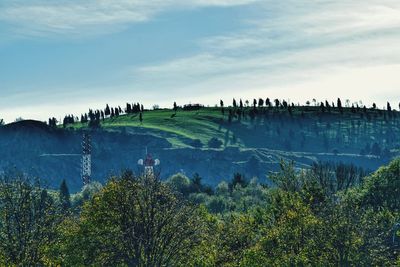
<point>196,143</point>
<point>214,143</point>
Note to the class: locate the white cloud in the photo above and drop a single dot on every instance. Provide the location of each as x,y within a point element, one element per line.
<point>319,45</point>
<point>88,17</point>
<point>295,49</point>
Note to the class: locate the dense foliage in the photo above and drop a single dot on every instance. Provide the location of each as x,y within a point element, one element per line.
<point>329,215</point>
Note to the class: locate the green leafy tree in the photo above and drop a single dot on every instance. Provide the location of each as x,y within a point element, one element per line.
<point>238,179</point>
<point>290,234</point>
<point>382,188</point>
<point>27,222</point>
<point>179,183</point>
<point>135,222</point>
<point>287,179</point>
<point>235,236</point>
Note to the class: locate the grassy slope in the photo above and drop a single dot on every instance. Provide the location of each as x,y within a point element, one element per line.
<point>200,124</point>
<point>272,128</point>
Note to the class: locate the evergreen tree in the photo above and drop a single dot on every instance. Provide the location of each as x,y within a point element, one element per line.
<point>290,110</point>
<point>53,122</point>
<point>260,102</point>
<point>322,106</point>
<point>107,111</point>
<point>268,102</point>
<point>128,109</point>
<point>64,197</point>
<point>389,108</point>
<point>339,105</point>
<point>196,184</point>
<point>238,179</point>
<point>277,103</point>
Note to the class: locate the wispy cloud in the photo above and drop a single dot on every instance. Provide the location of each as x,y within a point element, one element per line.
<point>295,48</point>
<point>294,43</point>
<point>89,17</point>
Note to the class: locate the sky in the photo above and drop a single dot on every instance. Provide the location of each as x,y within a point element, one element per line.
<point>63,56</point>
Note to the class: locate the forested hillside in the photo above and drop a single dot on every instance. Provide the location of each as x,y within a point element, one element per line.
<point>313,217</point>
<point>213,142</point>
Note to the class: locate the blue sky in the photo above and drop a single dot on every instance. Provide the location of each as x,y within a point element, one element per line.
<point>58,57</point>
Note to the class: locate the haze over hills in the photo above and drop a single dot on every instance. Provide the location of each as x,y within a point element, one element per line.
<point>213,142</point>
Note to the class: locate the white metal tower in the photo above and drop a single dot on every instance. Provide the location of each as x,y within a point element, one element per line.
<point>86,159</point>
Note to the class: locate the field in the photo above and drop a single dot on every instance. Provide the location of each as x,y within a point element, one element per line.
<point>185,125</point>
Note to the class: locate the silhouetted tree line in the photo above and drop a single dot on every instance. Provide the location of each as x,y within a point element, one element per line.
<point>332,127</point>
<point>261,106</point>
<point>53,122</point>
<point>69,119</point>
<point>94,117</point>
<point>335,177</point>
<point>134,108</point>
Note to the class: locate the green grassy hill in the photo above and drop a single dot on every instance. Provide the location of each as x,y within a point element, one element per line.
<point>304,129</point>
<point>178,129</point>
<point>250,141</point>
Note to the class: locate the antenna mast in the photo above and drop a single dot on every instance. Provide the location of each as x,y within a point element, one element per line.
<point>86,158</point>
<point>148,162</point>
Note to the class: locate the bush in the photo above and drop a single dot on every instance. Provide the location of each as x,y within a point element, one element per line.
<point>87,192</point>
<point>179,183</point>
<point>196,143</point>
<point>217,205</point>
<point>222,188</point>
<point>214,143</point>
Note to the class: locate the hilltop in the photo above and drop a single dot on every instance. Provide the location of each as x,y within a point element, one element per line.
<point>215,145</point>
